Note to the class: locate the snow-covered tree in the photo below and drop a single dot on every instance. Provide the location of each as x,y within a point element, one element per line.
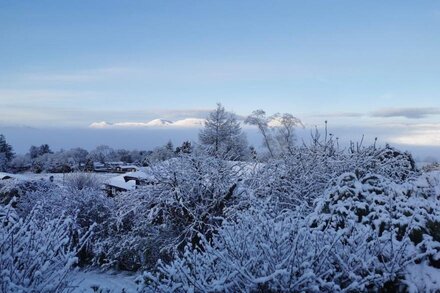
<point>102,153</point>
<point>77,157</point>
<point>160,154</point>
<point>6,153</point>
<point>278,131</point>
<point>285,132</point>
<point>258,118</point>
<point>223,136</point>
<point>21,163</point>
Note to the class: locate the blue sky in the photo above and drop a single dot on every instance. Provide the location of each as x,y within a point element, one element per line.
<point>362,63</point>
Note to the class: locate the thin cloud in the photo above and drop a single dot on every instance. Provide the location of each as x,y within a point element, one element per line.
<point>339,115</point>
<point>16,96</point>
<point>44,115</point>
<point>410,113</point>
<point>89,75</point>
<point>185,72</point>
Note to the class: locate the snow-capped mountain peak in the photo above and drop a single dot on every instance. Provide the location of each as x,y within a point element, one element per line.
<point>187,122</point>
<point>159,122</point>
<point>101,124</point>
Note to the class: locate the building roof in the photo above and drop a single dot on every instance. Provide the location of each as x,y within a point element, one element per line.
<point>119,182</point>
<point>139,175</point>
<point>115,163</point>
<point>129,167</point>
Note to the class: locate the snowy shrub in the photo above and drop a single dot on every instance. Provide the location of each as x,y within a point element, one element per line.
<point>80,181</point>
<point>265,252</point>
<point>386,207</point>
<point>90,209</point>
<point>302,176</point>
<point>156,221</point>
<point>394,164</point>
<point>364,232</point>
<point>36,256</point>
<point>132,240</point>
<point>17,188</point>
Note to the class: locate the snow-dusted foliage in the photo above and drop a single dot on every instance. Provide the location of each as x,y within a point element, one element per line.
<point>310,218</point>
<point>264,252</point>
<point>6,153</point>
<point>76,182</point>
<point>374,201</point>
<point>222,135</point>
<point>11,188</point>
<point>322,219</point>
<point>91,210</point>
<point>36,255</point>
<point>157,221</point>
<point>304,175</point>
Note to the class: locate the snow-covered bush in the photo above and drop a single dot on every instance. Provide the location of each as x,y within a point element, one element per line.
<point>303,175</point>
<point>35,255</point>
<point>75,182</point>
<point>157,221</point>
<point>361,236</point>
<point>265,252</point>
<point>394,164</point>
<point>11,188</point>
<point>91,209</point>
<point>372,200</point>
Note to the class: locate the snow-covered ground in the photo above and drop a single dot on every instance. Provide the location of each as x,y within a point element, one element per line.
<point>105,282</point>
<point>60,177</point>
<point>423,278</point>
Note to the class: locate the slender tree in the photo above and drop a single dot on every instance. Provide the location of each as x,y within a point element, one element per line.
<point>285,131</point>
<point>223,135</point>
<point>6,153</point>
<point>259,119</point>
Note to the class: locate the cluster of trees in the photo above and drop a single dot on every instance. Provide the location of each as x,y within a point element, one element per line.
<point>223,136</point>
<point>43,159</point>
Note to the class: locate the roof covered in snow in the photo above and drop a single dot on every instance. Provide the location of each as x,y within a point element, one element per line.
<point>139,175</point>
<point>119,182</point>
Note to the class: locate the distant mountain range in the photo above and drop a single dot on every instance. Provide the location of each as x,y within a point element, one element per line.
<point>188,122</point>
<point>156,123</point>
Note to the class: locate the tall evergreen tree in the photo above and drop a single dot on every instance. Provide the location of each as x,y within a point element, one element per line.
<point>6,153</point>
<point>223,135</point>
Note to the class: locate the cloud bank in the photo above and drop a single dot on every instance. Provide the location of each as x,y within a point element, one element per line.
<point>410,113</point>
